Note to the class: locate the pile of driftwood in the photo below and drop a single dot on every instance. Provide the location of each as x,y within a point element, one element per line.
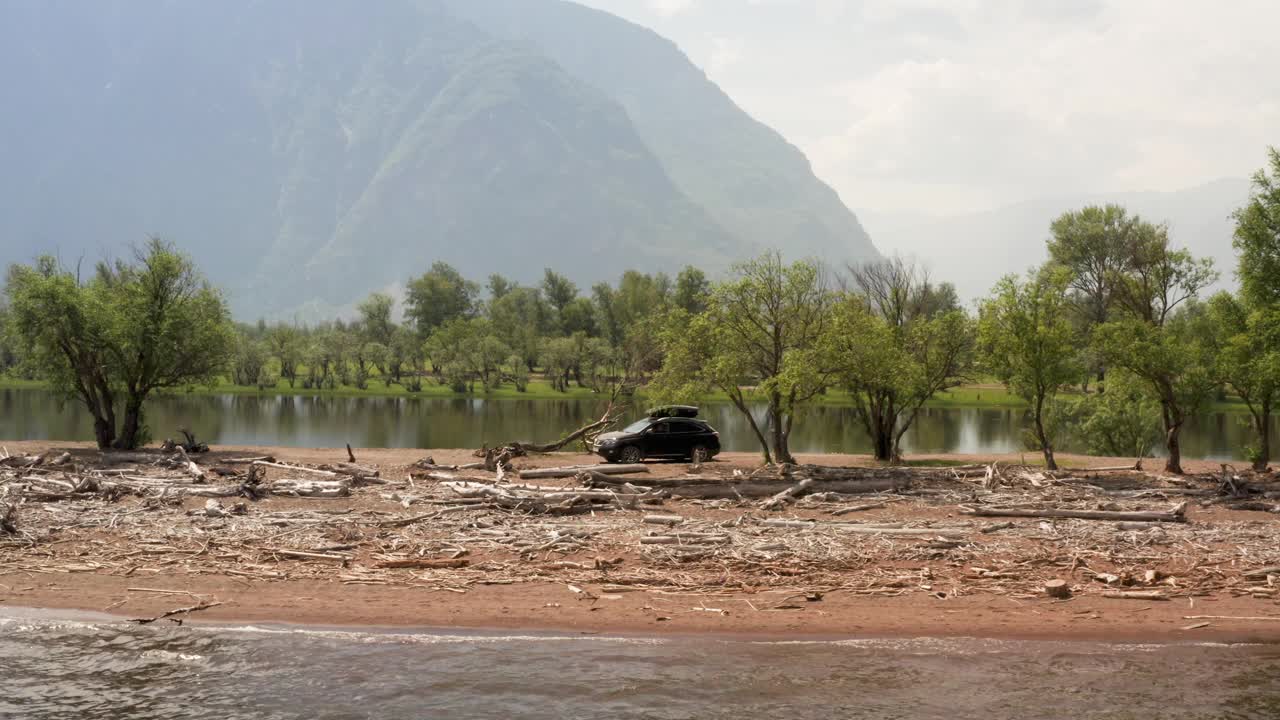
<point>1015,531</point>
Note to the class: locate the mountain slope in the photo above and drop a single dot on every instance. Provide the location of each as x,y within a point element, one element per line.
<point>750,179</point>
<point>307,153</point>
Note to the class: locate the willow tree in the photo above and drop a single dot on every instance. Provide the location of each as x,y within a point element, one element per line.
<point>129,330</point>
<point>753,342</point>
<point>1029,341</point>
<point>1158,335</point>
<point>895,340</point>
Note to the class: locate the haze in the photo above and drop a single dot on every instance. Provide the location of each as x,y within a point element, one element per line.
<point>953,106</point>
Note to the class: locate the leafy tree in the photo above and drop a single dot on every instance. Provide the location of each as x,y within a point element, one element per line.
<point>8,348</point>
<point>637,297</point>
<point>579,316</point>
<point>1028,340</point>
<point>287,346</point>
<point>1091,243</point>
<point>438,296</point>
<point>1248,361</point>
<point>520,319</point>
<point>558,291</point>
<point>692,290</point>
<point>1122,422</point>
<point>1257,237</point>
<point>249,366</point>
<point>375,318</point>
<point>499,286</point>
<point>753,341</point>
<point>559,357</point>
<point>896,340</point>
<point>132,329</point>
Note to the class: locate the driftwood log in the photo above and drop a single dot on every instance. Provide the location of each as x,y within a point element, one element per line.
<point>1177,514</point>
<point>711,487</point>
<point>573,470</point>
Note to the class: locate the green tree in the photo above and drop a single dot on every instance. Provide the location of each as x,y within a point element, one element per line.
<point>132,329</point>
<point>559,292</point>
<point>287,346</point>
<point>1248,361</point>
<point>692,290</point>
<point>499,286</point>
<point>753,342</point>
<point>249,366</point>
<point>897,340</point>
<point>1122,422</point>
<point>1171,351</point>
<point>438,296</point>
<point>520,319</point>
<point>1091,243</point>
<point>1257,237</point>
<point>375,318</point>
<point>1027,340</point>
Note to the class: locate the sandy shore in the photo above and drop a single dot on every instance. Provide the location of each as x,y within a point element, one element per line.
<point>588,573</point>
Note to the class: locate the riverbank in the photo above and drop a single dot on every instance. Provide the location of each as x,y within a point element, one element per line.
<point>904,561</point>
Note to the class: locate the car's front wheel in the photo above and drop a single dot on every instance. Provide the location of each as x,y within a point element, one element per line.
<point>630,455</point>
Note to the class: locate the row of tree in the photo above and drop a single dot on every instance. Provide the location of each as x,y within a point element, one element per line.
<point>452,335</point>
<point>1115,311</point>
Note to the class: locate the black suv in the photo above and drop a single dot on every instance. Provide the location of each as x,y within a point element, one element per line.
<point>668,432</point>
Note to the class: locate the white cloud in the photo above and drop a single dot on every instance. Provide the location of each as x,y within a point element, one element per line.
<point>965,104</point>
<point>667,8</point>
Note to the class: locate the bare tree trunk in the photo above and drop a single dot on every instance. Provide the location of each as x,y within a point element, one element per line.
<point>1172,430</point>
<point>755,428</point>
<point>1174,463</point>
<point>129,439</point>
<point>1045,446</point>
<point>780,451</point>
<point>1262,421</point>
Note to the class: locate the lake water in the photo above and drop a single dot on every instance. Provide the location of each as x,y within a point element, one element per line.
<point>460,423</point>
<point>53,669</point>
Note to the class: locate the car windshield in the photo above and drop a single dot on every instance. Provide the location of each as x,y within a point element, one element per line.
<point>637,426</point>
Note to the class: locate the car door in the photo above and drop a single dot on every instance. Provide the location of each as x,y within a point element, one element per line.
<point>683,437</point>
<point>657,439</point>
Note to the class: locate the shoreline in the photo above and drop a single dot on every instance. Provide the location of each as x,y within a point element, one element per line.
<point>803,578</point>
<point>1112,623</point>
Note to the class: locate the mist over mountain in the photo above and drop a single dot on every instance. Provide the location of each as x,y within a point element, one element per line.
<point>975,250</point>
<point>308,153</point>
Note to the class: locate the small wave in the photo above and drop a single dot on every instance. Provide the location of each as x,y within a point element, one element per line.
<point>169,656</point>
<point>425,637</point>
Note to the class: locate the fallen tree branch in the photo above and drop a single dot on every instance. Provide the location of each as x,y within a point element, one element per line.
<point>179,611</point>
<point>1175,515</point>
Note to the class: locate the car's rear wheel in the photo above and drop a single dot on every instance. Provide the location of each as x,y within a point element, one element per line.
<point>699,454</point>
<point>630,455</point>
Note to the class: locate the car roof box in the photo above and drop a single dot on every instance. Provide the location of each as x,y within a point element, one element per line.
<point>684,411</point>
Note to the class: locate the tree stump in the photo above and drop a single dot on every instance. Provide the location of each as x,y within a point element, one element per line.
<point>1057,589</point>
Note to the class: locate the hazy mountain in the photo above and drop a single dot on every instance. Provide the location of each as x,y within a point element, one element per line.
<point>976,249</point>
<point>307,153</point>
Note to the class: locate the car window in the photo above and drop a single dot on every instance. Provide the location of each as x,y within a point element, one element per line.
<point>685,427</point>
<point>661,428</point>
<point>636,426</point>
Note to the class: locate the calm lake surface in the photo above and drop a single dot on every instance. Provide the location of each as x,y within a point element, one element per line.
<point>460,423</point>
<point>56,669</point>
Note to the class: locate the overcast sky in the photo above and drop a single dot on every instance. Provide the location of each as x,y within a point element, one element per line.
<point>955,105</point>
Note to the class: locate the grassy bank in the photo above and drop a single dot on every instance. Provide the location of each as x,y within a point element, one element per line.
<point>983,395</point>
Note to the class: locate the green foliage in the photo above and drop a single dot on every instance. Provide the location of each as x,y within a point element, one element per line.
<point>692,290</point>
<point>375,318</point>
<point>1124,421</point>
<point>894,342</point>
<point>439,296</point>
<point>752,342</point>
<point>132,329</point>
<point>1257,236</point>
<point>1029,342</point>
<point>249,365</point>
<point>1090,244</point>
